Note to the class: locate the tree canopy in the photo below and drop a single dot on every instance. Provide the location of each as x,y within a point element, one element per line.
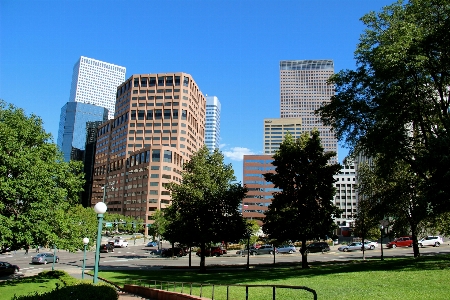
<point>37,188</point>
<point>396,103</point>
<point>303,207</point>
<point>205,204</point>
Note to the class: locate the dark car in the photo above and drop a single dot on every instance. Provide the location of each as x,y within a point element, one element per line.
<point>7,268</point>
<point>105,248</point>
<point>156,252</point>
<point>318,247</point>
<point>179,252</point>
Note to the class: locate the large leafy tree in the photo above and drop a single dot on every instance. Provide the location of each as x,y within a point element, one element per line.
<point>37,187</point>
<point>396,103</point>
<point>303,207</point>
<point>205,204</point>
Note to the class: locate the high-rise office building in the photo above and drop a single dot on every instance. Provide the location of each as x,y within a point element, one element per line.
<point>72,127</point>
<point>346,197</point>
<point>276,129</point>
<point>95,82</point>
<point>159,124</point>
<point>212,132</point>
<point>303,89</point>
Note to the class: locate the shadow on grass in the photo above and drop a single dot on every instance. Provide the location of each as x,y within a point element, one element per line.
<point>238,274</point>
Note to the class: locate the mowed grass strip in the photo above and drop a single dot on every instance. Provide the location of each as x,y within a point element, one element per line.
<point>26,286</point>
<point>394,278</point>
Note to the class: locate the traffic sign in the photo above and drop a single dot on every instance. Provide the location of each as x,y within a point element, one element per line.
<point>108,225</point>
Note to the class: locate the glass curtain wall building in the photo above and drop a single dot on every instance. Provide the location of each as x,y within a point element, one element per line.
<point>303,89</point>
<point>95,82</point>
<point>212,132</point>
<point>72,125</point>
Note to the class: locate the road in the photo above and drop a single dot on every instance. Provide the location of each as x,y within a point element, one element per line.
<point>137,257</point>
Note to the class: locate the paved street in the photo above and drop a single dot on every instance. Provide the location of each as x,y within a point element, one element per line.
<point>137,257</point>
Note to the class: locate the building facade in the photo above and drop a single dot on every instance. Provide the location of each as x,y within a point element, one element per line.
<point>303,89</point>
<point>212,132</point>
<point>259,195</point>
<point>276,129</point>
<point>72,127</point>
<point>95,82</point>
<point>346,197</point>
<point>159,124</point>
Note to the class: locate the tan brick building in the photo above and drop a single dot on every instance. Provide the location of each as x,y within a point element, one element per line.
<point>159,123</point>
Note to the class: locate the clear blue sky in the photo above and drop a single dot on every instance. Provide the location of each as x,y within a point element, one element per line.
<point>232,49</point>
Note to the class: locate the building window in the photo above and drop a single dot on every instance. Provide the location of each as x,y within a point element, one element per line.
<point>156,155</point>
<point>150,115</point>
<point>141,114</point>
<point>158,114</point>
<point>169,81</point>
<point>167,156</point>
<point>160,81</point>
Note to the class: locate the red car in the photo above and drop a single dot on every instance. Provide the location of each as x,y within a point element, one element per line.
<point>404,241</point>
<point>213,251</point>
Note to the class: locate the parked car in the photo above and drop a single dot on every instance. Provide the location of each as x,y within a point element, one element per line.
<point>404,241</point>
<point>177,251</point>
<point>152,244</point>
<point>266,249</point>
<point>353,246</point>
<point>120,243</point>
<point>44,258</point>
<point>6,268</point>
<point>432,240</point>
<point>213,251</point>
<point>287,249</point>
<point>156,252</point>
<point>318,247</point>
<point>245,251</point>
<point>372,245</point>
<point>105,248</point>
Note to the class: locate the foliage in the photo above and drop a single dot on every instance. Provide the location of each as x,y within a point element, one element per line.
<point>396,103</point>
<point>205,205</point>
<point>302,209</point>
<point>158,227</point>
<point>37,187</point>
<point>123,223</point>
<point>79,291</point>
<point>253,228</point>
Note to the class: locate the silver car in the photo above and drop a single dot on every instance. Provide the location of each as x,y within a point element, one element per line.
<point>353,246</point>
<point>43,258</point>
<point>266,249</point>
<point>286,249</point>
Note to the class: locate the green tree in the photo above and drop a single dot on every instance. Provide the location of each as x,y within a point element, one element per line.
<point>158,227</point>
<point>303,207</point>
<point>396,103</point>
<point>205,205</point>
<point>36,185</point>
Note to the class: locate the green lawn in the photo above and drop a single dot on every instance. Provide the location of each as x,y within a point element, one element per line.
<point>394,278</point>
<point>25,286</point>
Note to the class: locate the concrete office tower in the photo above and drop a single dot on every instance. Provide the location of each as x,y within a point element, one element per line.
<point>259,195</point>
<point>212,135</point>
<point>95,82</point>
<point>72,126</point>
<point>276,129</point>
<point>346,197</point>
<point>159,124</point>
<point>303,89</point>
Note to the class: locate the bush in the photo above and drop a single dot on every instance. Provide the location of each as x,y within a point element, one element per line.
<point>78,291</point>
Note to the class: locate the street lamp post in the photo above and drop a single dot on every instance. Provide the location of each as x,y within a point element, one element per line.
<point>85,242</point>
<point>249,233</point>
<point>381,243</point>
<point>100,209</point>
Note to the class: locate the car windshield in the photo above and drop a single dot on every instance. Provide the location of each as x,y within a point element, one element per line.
<point>431,238</point>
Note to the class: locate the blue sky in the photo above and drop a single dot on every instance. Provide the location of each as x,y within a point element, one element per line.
<point>232,49</point>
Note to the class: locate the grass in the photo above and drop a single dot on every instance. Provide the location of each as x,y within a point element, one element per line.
<point>394,278</point>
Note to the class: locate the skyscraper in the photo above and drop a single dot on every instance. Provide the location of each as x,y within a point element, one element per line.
<point>159,124</point>
<point>72,126</point>
<point>276,129</point>
<point>212,132</point>
<point>95,82</point>
<point>303,89</point>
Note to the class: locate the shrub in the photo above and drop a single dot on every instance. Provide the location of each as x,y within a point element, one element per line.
<point>78,291</point>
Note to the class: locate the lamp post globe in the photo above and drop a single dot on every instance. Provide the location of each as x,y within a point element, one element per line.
<point>85,241</point>
<point>100,209</point>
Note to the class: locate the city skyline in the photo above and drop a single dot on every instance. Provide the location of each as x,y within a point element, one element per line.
<point>234,52</point>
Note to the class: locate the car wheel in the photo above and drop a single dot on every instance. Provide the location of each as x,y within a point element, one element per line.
<point>372,247</point>
<point>271,252</point>
<point>420,245</point>
<point>290,251</point>
<point>45,262</point>
<point>217,254</point>
<point>437,244</point>
<point>345,249</point>
<point>394,246</point>
<point>57,260</point>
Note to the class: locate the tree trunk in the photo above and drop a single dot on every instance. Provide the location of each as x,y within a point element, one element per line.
<point>304,254</point>
<point>202,257</point>
<point>414,238</point>
<point>190,259</point>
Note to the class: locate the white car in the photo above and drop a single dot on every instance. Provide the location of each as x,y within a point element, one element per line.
<point>371,245</point>
<point>432,240</point>
<point>119,243</point>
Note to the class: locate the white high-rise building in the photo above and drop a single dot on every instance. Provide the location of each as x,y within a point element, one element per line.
<point>95,82</point>
<point>275,131</point>
<point>212,132</point>
<point>346,197</point>
<point>303,89</point>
